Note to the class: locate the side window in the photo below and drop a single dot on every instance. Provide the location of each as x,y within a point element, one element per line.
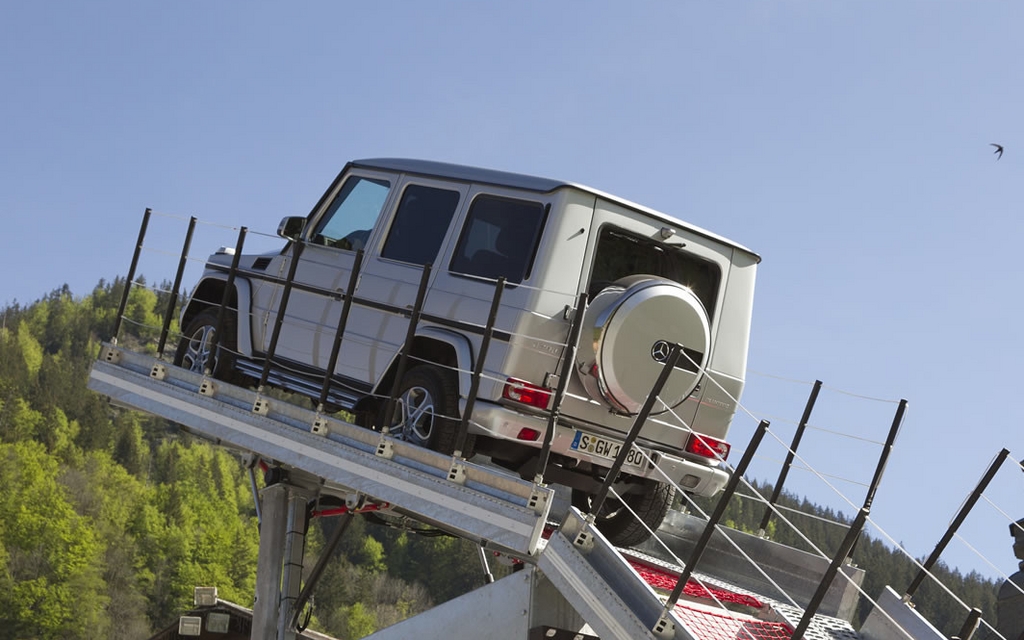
<point>351,216</point>
<point>421,222</point>
<point>499,239</point>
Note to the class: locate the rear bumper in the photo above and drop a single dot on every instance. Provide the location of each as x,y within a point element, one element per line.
<point>506,424</point>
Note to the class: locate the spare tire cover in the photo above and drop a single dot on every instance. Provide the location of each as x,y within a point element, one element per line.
<point>627,332</point>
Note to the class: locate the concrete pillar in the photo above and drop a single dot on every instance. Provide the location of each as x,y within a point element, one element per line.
<point>269,563</point>
<point>1010,600</point>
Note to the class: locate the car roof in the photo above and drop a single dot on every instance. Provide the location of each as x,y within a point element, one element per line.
<point>478,175</point>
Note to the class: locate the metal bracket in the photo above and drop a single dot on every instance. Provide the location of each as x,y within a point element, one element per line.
<point>584,540</point>
<point>457,473</point>
<point>538,500</point>
<point>321,426</point>
<point>551,380</point>
<point>158,372</point>
<point>385,449</point>
<point>261,406</point>
<point>664,627</point>
<point>113,356</point>
<point>354,501</point>
<point>207,388</point>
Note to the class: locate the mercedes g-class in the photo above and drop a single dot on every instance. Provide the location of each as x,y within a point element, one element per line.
<point>653,281</point>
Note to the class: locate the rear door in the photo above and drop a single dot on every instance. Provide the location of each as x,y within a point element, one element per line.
<point>418,233</point>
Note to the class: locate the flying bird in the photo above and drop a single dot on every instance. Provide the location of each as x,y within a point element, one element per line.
<point>999,149</point>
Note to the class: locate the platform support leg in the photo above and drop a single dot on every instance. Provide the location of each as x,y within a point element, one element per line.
<point>279,567</point>
<point>291,579</point>
<point>269,564</point>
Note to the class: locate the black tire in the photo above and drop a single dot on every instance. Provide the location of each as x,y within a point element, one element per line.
<point>194,347</point>
<point>426,411</point>
<point>616,522</point>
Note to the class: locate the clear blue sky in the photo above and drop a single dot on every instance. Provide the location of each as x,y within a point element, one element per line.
<point>847,143</point>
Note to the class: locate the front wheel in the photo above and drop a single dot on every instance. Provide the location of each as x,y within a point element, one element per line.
<point>195,349</point>
<point>426,411</point>
<point>615,521</point>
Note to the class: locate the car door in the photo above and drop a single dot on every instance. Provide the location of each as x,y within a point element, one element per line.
<point>347,222</point>
<point>418,233</point>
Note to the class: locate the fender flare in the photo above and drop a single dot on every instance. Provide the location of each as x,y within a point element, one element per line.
<point>463,352</point>
<point>243,291</point>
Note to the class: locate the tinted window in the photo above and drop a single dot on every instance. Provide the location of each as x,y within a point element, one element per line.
<point>352,214</point>
<point>500,238</point>
<point>420,225</point>
<point>620,254</point>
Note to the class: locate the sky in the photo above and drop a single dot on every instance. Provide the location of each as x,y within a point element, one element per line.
<point>848,143</point>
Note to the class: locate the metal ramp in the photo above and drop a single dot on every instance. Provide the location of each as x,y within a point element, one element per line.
<point>476,503</point>
<point>574,584</point>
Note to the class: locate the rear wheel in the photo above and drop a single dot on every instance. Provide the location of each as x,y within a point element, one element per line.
<point>615,521</point>
<point>426,411</point>
<point>195,351</point>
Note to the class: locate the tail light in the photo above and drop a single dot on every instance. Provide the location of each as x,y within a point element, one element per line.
<point>707,447</point>
<point>526,393</point>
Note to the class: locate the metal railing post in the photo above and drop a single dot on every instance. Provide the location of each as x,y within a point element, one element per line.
<point>346,307</point>
<point>131,275</point>
<point>173,301</point>
<point>970,625</point>
<point>670,363</point>
<point>478,368</point>
<point>790,455</point>
<point>709,528</point>
<point>957,521</point>
<point>894,430</point>
<point>883,459</point>
<point>403,359</point>
<point>282,308</point>
<point>826,580</point>
<point>568,363</point>
<point>225,298</point>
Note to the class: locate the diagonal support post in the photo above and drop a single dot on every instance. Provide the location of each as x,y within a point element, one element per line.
<point>955,525</point>
<point>790,456</point>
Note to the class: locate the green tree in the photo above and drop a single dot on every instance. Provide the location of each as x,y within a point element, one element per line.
<point>359,622</point>
<point>201,530</point>
<point>52,556</point>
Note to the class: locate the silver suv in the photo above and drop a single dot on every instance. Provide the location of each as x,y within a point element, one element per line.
<point>652,280</point>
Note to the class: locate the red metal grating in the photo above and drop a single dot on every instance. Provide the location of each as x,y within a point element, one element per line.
<point>662,579</point>
<point>708,625</point>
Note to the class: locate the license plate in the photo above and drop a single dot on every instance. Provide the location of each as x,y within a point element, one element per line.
<point>608,449</point>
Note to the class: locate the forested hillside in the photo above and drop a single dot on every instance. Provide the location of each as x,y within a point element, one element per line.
<point>109,518</point>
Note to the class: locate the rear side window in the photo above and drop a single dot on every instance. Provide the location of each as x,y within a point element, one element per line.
<point>421,222</point>
<point>620,254</point>
<point>499,239</point>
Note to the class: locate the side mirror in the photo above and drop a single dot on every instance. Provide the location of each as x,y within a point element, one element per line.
<point>291,227</point>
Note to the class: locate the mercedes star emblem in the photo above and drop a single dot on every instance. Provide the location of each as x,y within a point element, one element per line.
<point>660,351</point>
